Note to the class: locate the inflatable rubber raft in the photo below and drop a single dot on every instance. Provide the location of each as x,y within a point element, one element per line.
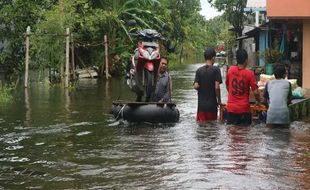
<point>152,112</point>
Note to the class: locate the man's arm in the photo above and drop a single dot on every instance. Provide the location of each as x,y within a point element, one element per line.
<point>266,95</point>
<point>168,90</point>
<point>227,83</point>
<point>289,96</point>
<point>256,95</point>
<point>218,81</point>
<point>196,80</point>
<point>254,88</point>
<point>196,85</point>
<point>218,92</point>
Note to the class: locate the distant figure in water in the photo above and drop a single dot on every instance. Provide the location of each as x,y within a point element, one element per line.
<point>207,83</point>
<point>278,94</point>
<point>163,86</point>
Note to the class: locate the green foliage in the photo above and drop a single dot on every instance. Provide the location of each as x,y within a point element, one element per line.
<point>110,17</point>
<point>229,40</point>
<point>5,94</point>
<point>233,12</point>
<point>15,16</point>
<point>271,55</point>
<point>89,21</point>
<point>48,43</point>
<point>181,14</point>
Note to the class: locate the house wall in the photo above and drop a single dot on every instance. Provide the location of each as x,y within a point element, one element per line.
<point>263,44</point>
<point>249,46</point>
<point>291,10</point>
<point>288,9</point>
<point>306,57</point>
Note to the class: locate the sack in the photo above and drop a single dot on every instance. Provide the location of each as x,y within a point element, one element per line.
<point>298,93</point>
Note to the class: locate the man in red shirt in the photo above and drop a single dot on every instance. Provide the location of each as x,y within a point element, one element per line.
<point>239,81</point>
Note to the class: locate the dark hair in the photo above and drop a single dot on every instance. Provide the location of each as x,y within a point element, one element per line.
<point>279,71</point>
<point>162,57</point>
<point>242,55</point>
<point>209,53</point>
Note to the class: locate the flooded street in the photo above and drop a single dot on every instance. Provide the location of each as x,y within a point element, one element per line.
<point>51,138</point>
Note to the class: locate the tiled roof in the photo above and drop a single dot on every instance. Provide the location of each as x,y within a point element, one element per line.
<point>256,3</point>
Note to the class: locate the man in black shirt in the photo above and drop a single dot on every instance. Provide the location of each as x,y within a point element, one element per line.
<point>207,83</point>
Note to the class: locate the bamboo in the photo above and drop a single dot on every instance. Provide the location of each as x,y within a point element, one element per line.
<point>67,58</point>
<point>27,57</point>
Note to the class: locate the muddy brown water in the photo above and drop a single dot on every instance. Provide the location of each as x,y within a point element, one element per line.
<point>51,138</point>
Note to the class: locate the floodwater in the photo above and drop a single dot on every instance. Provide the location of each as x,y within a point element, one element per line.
<point>56,139</point>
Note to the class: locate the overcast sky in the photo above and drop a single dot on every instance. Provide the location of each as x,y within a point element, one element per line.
<point>207,10</point>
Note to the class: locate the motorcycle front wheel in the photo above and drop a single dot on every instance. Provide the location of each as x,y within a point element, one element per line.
<point>149,77</point>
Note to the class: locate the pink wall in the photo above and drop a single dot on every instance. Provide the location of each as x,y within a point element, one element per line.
<point>288,8</point>
<point>306,56</point>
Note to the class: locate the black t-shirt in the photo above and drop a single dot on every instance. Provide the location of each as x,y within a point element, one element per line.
<point>206,77</point>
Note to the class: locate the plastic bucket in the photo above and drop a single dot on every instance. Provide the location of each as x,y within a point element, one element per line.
<point>269,68</point>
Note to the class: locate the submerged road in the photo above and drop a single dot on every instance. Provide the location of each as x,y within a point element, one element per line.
<point>55,139</point>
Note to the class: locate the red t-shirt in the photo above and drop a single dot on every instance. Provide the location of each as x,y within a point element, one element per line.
<point>239,82</point>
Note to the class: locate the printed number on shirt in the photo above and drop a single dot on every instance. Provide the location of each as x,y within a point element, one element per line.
<point>238,87</point>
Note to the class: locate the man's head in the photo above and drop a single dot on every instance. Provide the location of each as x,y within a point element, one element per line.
<point>163,64</point>
<point>242,57</point>
<point>209,54</point>
<point>279,71</point>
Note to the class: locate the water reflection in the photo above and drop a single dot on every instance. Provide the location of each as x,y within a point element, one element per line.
<point>239,143</point>
<point>67,100</point>
<point>107,89</point>
<point>28,108</point>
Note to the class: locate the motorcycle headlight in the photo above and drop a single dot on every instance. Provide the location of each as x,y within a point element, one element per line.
<point>146,54</point>
<point>154,54</point>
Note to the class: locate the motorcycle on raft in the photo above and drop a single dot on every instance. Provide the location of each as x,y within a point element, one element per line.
<point>143,66</point>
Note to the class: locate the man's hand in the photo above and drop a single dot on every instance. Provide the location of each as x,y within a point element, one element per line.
<point>220,104</point>
<point>196,85</point>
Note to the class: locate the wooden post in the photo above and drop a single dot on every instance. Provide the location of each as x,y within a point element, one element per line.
<point>72,57</point>
<point>107,75</point>
<point>27,57</point>
<point>67,58</point>
<point>28,108</point>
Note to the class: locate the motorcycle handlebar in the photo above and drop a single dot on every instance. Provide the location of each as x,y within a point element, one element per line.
<point>143,36</point>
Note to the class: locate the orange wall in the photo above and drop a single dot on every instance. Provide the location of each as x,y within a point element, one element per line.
<point>306,56</point>
<point>288,8</point>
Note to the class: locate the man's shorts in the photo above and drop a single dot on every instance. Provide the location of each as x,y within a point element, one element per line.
<point>206,116</point>
<point>239,118</point>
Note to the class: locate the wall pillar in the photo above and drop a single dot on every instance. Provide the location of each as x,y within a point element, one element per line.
<point>306,56</point>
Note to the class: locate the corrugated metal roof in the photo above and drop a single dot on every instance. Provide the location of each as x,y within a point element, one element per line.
<point>256,4</point>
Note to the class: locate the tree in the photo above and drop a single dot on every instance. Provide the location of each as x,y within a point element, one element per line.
<point>89,21</point>
<point>15,16</point>
<point>116,14</point>
<point>179,14</point>
<point>233,12</point>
